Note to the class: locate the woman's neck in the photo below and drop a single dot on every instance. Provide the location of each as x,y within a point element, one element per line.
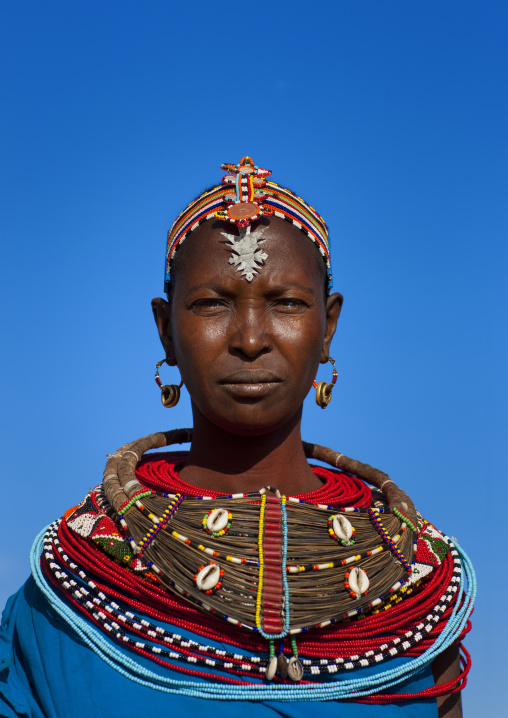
<point>229,463</point>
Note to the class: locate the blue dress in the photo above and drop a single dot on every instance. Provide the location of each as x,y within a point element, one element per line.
<point>46,671</point>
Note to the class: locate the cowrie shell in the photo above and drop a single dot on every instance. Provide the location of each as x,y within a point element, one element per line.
<point>282,666</point>
<point>217,520</point>
<point>272,668</point>
<point>342,528</point>
<point>358,581</point>
<point>295,669</point>
<point>208,577</point>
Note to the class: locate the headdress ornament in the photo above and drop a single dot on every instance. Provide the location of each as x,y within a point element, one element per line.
<point>244,196</point>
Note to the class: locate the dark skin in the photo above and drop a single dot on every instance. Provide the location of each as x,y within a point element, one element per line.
<point>445,668</point>
<point>248,353</point>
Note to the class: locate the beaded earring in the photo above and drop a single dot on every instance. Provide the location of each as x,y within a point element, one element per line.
<point>324,390</point>
<point>170,393</point>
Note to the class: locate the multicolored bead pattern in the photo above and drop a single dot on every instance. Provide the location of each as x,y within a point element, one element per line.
<point>405,520</point>
<point>159,523</point>
<point>138,495</point>
<point>433,555</point>
<point>272,600</point>
<point>377,522</point>
<point>245,204</point>
<point>440,596</point>
<point>243,197</point>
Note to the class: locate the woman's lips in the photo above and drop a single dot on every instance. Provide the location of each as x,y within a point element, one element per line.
<point>253,376</point>
<point>250,384</point>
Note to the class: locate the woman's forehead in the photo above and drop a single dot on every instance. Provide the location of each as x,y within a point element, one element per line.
<point>272,248</point>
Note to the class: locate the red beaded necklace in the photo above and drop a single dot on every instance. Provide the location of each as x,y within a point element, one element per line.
<point>159,471</point>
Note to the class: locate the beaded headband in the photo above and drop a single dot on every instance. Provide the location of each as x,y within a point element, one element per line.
<point>243,197</point>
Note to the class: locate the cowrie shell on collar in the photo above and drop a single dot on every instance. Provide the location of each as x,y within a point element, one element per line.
<point>343,529</point>
<point>208,577</point>
<point>217,520</point>
<point>358,582</point>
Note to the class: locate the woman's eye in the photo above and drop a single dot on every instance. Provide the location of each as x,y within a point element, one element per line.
<point>209,303</point>
<point>291,303</point>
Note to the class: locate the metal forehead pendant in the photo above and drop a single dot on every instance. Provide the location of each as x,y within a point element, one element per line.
<point>246,255</point>
<point>244,205</point>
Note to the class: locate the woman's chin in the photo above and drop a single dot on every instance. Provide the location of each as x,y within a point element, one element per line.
<point>251,417</point>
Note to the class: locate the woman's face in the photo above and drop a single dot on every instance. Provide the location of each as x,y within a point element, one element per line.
<point>248,352</point>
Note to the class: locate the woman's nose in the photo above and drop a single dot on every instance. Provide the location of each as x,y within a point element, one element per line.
<point>249,336</point>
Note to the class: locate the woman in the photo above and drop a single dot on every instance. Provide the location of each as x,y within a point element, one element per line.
<point>229,574</point>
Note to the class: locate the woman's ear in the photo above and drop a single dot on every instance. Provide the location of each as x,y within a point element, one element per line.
<point>162,313</point>
<point>333,307</point>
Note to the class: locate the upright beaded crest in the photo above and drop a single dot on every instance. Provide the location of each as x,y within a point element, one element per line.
<point>245,204</point>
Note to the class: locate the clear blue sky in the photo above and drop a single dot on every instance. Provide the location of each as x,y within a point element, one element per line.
<point>389,117</point>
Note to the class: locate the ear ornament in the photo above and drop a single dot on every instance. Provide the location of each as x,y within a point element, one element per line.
<point>324,390</point>
<point>170,393</point>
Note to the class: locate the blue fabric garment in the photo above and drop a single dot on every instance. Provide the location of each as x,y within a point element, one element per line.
<point>47,672</point>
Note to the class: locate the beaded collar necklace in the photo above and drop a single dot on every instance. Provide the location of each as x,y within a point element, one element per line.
<point>118,603</point>
<point>270,564</point>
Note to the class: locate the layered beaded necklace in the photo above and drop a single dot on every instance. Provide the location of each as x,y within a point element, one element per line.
<point>116,621</point>
<point>275,566</point>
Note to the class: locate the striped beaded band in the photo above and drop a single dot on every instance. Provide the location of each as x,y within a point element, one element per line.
<point>243,197</point>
